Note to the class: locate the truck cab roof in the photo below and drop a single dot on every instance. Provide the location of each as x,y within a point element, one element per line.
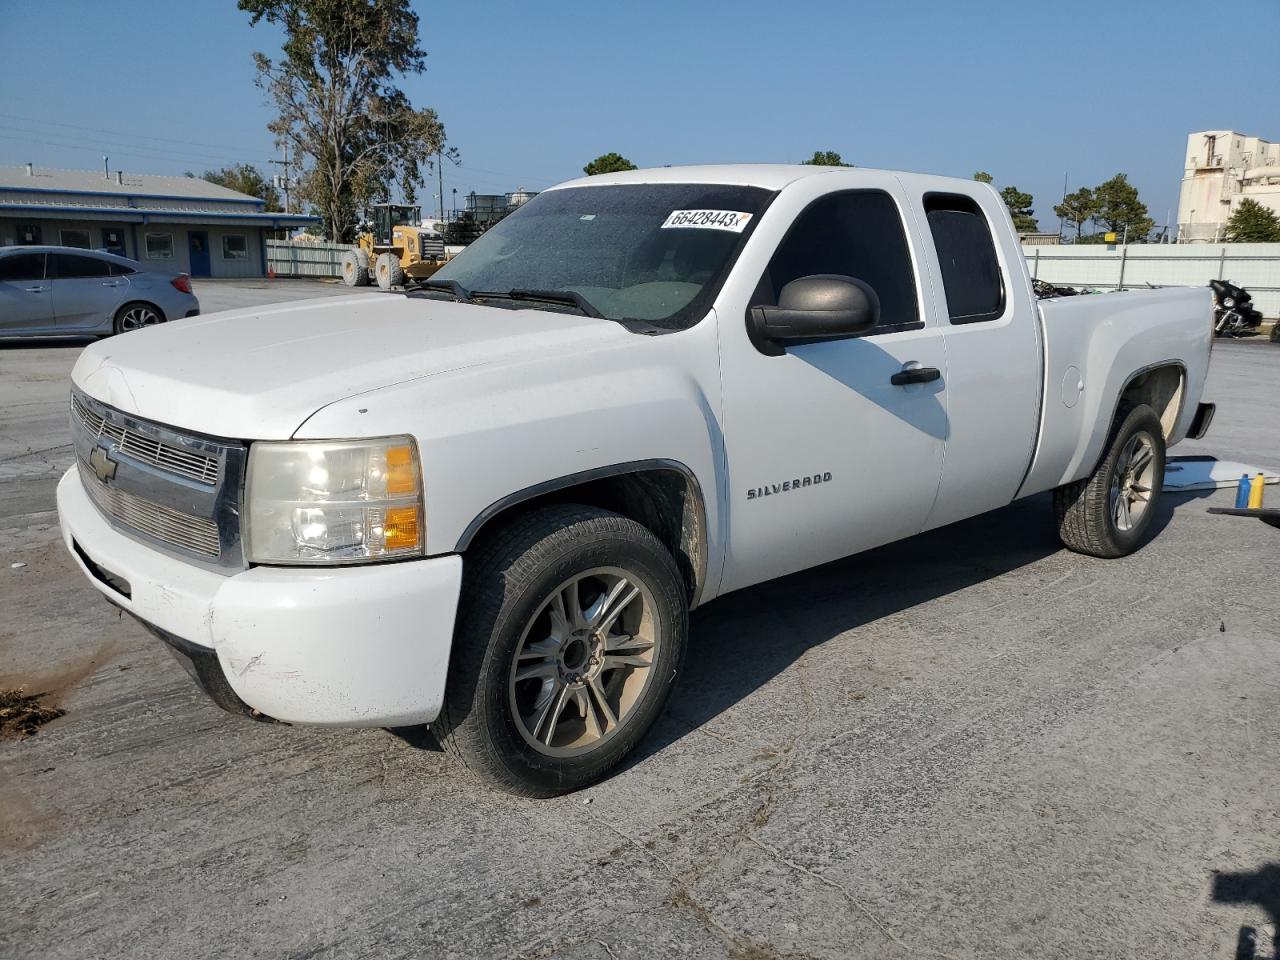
<point>771,176</point>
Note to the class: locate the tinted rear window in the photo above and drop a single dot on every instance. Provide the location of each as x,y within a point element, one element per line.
<point>967,256</point>
<point>69,266</point>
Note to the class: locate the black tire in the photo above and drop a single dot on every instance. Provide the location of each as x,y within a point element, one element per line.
<point>1086,511</point>
<point>136,315</point>
<point>513,576</point>
<point>1275,332</point>
<point>390,273</point>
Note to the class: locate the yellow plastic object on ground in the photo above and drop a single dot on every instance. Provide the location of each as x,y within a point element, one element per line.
<point>1256,486</point>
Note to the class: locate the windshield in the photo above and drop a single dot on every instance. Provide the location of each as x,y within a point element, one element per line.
<point>656,253</point>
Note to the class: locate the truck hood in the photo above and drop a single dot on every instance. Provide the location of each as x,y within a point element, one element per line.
<point>258,373</point>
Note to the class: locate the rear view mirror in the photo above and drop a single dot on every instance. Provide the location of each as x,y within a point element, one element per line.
<point>821,307</point>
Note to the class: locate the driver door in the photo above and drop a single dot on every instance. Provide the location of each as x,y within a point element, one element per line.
<point>826,455</point>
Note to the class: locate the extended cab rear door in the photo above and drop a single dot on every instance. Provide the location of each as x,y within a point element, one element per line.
<point>984,308</point>
<point>826,454</point>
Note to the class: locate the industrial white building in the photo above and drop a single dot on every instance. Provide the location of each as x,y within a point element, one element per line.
<point>1224,167</point>
<point>173,224</point>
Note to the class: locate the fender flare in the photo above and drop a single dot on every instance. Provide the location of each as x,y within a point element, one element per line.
<point>599,473</point>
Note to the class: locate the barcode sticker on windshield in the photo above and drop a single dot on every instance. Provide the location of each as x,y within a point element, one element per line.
<point>729,220</point>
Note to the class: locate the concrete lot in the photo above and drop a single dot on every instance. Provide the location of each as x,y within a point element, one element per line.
<point>971,744</point>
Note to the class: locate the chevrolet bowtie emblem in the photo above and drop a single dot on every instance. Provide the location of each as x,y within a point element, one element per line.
<point>102,464</point>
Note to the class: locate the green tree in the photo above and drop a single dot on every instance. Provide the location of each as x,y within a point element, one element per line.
<point>1251,222</point>
<point>248,179</point>
<point>1019,205</point>
<point>1120,210</point>
<point>826,158</point>
<point>337,101</point>
<point>608,163</point>
<point>983,177</point>
<point>1077,209</point>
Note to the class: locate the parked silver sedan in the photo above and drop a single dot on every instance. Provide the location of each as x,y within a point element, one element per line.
<point>66,291</point>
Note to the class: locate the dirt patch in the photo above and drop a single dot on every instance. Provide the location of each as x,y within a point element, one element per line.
<point>22,714</point>
<point>27,704</point>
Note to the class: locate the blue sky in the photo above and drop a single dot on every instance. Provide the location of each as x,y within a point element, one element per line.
<point>529,93</point>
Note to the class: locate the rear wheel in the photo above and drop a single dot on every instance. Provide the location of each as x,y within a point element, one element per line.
<point>570,634</point>
<point>135,316</point>
<point>390,273</point>
<point>1275,332</point>
<point>355,268</point>
<point>1107,513</point>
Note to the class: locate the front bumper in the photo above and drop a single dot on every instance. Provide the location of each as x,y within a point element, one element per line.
<point>349,646</point>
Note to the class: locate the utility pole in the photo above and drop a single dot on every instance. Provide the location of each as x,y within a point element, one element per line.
<point>1064,200</point>
<point>284,180</point>
<point>440,176</point>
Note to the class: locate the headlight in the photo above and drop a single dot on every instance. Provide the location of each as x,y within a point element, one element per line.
<point>343,501</point>
<point>1228,303</point>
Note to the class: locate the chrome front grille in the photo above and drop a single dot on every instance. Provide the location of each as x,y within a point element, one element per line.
<point>178,491</point>
<point>171,526</point>
<point>186,463</point>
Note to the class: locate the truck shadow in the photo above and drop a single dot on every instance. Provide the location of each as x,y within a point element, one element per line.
<point>1260,888</point>
<point>730,656</point>
<point>32,343</point>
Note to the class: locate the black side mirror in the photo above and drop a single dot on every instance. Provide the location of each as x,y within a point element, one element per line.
<point>825,306</point>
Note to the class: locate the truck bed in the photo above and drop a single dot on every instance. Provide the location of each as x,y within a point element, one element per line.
<point>1114,338</point>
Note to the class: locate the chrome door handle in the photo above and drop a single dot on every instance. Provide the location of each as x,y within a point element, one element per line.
<point>111,283</point>
<point>34,289</point>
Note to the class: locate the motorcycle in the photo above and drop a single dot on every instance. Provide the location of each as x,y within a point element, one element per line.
<point>1234,314</point>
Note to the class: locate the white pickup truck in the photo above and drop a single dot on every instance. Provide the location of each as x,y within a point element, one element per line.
<point>489,503</point>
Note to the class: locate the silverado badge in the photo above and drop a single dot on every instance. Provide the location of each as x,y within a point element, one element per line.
<point>786,486</point>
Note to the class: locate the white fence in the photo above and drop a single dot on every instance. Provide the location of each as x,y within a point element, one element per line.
<point>1254,266</point>
<point>288,258</point>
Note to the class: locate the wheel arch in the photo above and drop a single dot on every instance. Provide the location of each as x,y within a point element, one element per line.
<point>140,302</point>
<point>1161,386</point>
<point>662,495</point>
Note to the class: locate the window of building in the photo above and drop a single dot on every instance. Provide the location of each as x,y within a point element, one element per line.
<point>75,238</point>
<point>235,247</point>
<point>29,235</point>
<point>967,255</point>
<point>21,267</point>
<point>855,234</point>
<point>113,240</point>
<point>159,246</point>
<point>73,266</point>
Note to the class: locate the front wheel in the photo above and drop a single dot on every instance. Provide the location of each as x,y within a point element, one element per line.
<point>1107,514</point>
<point>390,273</point>
<point>570,634</point>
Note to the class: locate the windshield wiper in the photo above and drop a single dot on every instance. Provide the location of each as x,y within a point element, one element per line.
<point>571,297</point>
<point>463,295</point>
<point>460,293</point>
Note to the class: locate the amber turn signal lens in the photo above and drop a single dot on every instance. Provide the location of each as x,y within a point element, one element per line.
<point>402,475</point>
<point>400,528</point>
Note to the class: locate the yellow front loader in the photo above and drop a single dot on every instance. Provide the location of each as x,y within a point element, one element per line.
<point>394,249</point>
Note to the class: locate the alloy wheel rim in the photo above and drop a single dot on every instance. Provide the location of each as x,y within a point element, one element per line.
<point>584,662</point>
<point>1132,482</point>
<point>136,318</point>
